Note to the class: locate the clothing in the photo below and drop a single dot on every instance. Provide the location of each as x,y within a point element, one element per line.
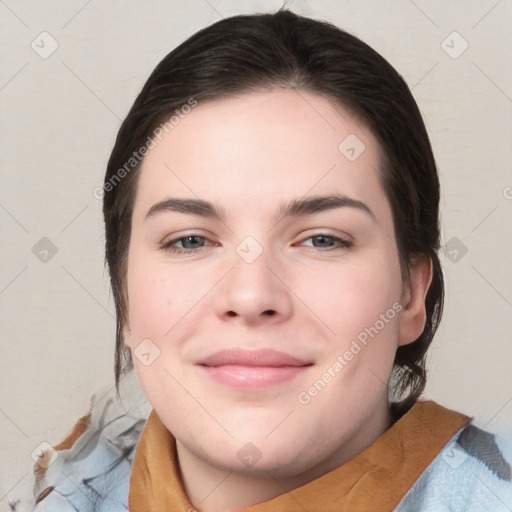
<point>462,463</point>
<point>431,459</point>
<point>92,470</point>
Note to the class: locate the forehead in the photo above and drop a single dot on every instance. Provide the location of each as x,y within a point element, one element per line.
<point>260,145</point>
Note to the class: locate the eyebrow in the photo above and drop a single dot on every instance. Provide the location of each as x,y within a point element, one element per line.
<point>295,208</point>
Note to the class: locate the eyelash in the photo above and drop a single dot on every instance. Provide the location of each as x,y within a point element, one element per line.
<point>168,246</point>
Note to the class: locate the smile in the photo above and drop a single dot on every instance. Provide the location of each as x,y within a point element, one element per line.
<point>252,369</point>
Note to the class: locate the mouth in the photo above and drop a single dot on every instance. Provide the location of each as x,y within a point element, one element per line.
<point>252,369</point>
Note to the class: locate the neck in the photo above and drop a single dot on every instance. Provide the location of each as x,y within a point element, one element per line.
<point>210,489</point>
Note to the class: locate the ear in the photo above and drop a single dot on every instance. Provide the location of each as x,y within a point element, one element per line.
<point>414,316</point>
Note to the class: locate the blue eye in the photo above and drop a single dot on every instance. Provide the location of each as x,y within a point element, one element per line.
<point>195,242</point>
<point>339,243</point>
<point>184,240</point>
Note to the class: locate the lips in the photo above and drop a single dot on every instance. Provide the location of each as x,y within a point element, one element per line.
<point>252,358</point>
<point>252,369</point>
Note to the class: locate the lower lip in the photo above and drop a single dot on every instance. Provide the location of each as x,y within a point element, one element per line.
<point>253,377</point>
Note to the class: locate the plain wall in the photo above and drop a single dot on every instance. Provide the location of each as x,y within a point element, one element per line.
<point>59,119</point>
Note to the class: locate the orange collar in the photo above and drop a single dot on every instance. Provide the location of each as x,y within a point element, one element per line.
<point>376,479</point>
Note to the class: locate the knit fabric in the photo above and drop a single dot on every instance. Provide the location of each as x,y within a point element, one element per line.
<point>471,474</point>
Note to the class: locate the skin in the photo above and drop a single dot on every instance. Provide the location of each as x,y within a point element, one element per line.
<point>250,154</point>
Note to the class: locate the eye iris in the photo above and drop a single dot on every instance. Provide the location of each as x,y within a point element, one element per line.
<point>323,238</point>
<point>188,238</point>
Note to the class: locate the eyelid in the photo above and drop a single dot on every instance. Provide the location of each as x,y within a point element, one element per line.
<point>168,244</point>
<point>304,236</point>
<point>314,232</point>
<point>343,242</point>
<point>179,236</point>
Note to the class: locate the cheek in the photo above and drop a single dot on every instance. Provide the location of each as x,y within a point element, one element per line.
<point>162,302</point>
<point>151,297</point>
<point>355,298</point>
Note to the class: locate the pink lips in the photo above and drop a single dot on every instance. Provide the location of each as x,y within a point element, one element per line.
<point>252,369</point>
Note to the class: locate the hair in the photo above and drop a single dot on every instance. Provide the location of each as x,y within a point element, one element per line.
<point>246,53</point>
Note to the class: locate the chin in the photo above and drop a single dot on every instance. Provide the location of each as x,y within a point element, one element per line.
<point>268,461</point>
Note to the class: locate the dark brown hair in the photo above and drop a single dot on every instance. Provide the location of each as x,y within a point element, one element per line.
<point>253,52</point>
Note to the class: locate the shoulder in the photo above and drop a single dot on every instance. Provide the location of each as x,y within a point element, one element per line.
<point>90,469</point>
<point>472,473</point>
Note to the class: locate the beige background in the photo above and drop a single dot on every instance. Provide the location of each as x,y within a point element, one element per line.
<point>59,119</point>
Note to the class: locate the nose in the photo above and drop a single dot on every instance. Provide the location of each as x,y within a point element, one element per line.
<point>254,292</point>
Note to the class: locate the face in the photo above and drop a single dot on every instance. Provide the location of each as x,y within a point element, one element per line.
<point>264,336</point>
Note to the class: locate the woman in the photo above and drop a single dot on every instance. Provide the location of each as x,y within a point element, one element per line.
<point>271,213</point>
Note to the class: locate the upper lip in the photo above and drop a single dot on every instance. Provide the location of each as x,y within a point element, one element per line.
<point>262,357</point>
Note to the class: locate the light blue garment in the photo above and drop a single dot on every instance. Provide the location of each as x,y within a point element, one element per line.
<point>94,474</point>
<point>471,474</point>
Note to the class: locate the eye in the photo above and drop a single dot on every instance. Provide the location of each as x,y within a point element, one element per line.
<point>194,242</point>
<point>190,243</point>
<point>329,242</point>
